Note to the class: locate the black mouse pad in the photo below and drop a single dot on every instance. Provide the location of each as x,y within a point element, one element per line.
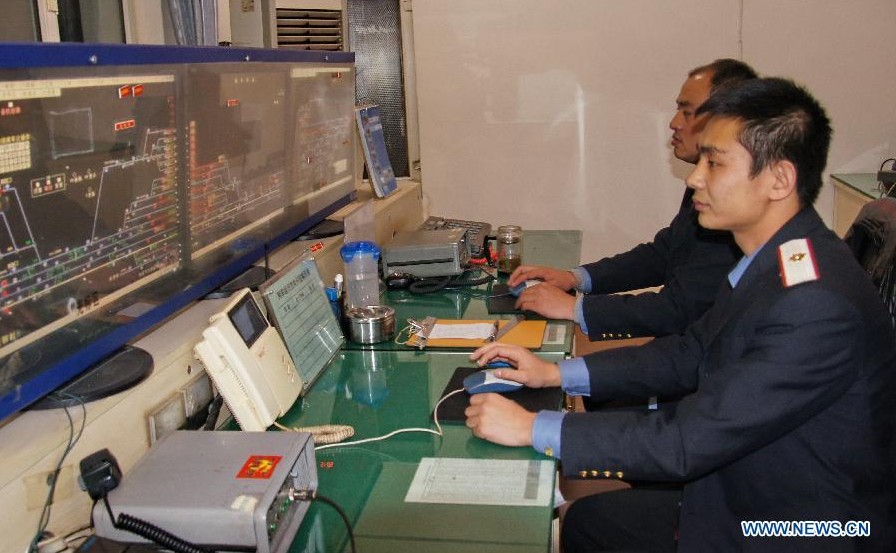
<point>532,399</point>
<point>500,301</point>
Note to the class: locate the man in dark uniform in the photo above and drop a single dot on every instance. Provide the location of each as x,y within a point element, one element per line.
<point>787,426</point>
<point>687,261</point>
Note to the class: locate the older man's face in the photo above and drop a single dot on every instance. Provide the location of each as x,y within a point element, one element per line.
<point>686,126</point>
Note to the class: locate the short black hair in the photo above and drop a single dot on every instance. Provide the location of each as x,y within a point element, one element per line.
<point>725,72</point>
<point>780,120</point>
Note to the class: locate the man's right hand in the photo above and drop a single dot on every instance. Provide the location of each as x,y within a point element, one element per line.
<point>531,370</point>
<point>563,280</point>
<point>548,301</point>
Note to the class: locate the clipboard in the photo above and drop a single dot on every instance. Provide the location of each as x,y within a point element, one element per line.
<point>529,334</point>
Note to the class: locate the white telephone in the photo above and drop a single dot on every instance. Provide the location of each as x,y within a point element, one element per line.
<point>249,364</point>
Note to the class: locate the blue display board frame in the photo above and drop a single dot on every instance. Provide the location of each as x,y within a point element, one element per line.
<point>69,55</point>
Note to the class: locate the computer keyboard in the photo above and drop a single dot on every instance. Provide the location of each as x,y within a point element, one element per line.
<point>476,231</point>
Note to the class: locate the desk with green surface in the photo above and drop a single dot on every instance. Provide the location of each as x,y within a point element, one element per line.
<point>553,248</point>
<point>379,389</point>
<point>378,392</point>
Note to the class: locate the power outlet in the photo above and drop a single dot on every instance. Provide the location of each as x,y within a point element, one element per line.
<point>167,418</point>
<point>197,394</point>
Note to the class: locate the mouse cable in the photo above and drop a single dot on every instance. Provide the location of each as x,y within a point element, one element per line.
<point>322,434</point>
<point>435,419</point>
<point>310,495</point>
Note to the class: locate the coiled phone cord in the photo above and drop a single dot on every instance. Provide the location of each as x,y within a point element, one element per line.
<point>323,434</point>
<point>338,443</point>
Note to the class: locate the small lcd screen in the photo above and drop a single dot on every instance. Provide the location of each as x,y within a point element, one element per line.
<point>248,320</point>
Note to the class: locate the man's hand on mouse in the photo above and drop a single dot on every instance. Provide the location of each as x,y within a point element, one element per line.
<point>563,280</point>
<point>497,419</point>
<point>531,370</point>
<point>548,301</point>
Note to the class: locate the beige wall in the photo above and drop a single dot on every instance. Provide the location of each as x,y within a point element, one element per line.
<point>555,114</point>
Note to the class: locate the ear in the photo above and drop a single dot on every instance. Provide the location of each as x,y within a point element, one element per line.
<point>783,173</point>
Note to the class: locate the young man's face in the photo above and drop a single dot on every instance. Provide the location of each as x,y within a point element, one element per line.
<point>685,125</point>
<point>726,197</point>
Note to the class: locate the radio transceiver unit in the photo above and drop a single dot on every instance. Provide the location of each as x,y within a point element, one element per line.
<point>223,490</point>
<point>427,253</point>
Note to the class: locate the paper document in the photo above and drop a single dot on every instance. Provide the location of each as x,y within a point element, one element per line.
<point>473,331</point>
<point>482,482</point>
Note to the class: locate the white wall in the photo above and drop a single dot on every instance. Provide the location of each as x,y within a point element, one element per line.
<point>555,114</point>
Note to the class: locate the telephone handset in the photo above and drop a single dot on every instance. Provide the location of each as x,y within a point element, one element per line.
<point>248,363</point>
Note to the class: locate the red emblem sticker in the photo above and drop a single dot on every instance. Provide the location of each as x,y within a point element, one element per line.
<point>317,247</point>
<point>259,466</point>
<point>232,103</point>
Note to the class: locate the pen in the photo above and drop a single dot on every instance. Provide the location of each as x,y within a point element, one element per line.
<point>337,284</point>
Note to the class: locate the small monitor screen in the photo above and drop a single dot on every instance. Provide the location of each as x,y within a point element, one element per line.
<point>248,320</point>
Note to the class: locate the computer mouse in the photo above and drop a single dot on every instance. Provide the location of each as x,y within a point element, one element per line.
<point>485,381</point>
<point>399,281</point>
<point>518,289</point>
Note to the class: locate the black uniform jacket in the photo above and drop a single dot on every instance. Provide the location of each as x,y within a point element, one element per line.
<point>789,408</point>
<point>689,262</point>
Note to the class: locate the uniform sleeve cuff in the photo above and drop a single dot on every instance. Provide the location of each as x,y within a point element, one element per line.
<point>579,313</point>
<point>583,280</point>
<point>574,377</point>
<point>546,432</point>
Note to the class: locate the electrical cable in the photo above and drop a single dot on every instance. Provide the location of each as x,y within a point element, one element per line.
<point>152,532</point>
<point>214,409</point>
<point>310,495</point>
<point>430,285</point>
<point>470,282</point>
<point>348,526</point>
<point>79,534</point>
<point>435,419</point>
<point>880,184</point>
<point>44,519</point>
<point>306,495</point>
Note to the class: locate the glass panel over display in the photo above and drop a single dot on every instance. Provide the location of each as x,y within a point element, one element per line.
<point>129,190</point>
<point>237,151</point>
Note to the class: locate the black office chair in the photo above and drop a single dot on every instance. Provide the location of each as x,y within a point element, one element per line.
<point>872,239</point>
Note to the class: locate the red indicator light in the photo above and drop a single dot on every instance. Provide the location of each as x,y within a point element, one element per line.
<point>124,125</point>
